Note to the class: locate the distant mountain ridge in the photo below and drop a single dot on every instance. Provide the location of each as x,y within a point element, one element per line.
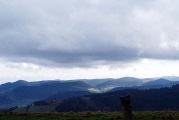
<point>158,82</point>
<point>27,94</point>
<point>122,82</point>
<point>12,85</point>
<point>22,92</point>
<point>9,86</point>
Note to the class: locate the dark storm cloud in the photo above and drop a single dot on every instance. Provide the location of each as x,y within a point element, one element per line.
<point>83,57</point>
<point>88,32</point>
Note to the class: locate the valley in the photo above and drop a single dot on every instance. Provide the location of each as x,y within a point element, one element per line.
<point>89,95</point>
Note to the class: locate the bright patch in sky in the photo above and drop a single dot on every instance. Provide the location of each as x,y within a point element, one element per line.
<point>142,69</point>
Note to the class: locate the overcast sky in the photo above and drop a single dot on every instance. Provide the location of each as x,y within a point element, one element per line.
<point>72,39</point>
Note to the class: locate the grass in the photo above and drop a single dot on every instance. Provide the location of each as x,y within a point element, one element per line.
<point>164,115</point>
<point>39,109</point>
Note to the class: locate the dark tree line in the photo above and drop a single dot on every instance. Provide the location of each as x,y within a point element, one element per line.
<point>142,100</point>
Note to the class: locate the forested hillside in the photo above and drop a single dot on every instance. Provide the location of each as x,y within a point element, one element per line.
<point>142,100</point>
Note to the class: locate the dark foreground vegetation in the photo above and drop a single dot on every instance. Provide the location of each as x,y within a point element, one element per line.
<point>164,115</point>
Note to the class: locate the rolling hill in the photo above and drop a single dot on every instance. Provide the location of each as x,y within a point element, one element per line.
<point>142,100</point>
<point>27,94</point>
<point>121,82</point>
<point>23,92</point>
<point>12,85</point>
<point>159,82</point>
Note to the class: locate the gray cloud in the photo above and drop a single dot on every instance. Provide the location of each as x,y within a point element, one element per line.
<point>88,32</point>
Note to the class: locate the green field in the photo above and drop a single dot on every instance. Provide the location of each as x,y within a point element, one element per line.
<point>167,115</point>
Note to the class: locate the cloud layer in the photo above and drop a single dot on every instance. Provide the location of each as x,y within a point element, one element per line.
<point>88,32</point>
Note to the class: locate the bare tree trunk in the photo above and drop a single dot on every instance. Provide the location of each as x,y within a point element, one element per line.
<point>27,108</point>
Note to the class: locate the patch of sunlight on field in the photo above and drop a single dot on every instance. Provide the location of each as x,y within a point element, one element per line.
<point>94,90</point>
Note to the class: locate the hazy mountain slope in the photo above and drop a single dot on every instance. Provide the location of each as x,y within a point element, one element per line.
<point>161,82</point>
<point>12,85</point>
<point>94,82</point>
<point>171,78</point>
<point>27,94</point>
<point>121,82</point>
<point>158,83</point>
<point>9,86</point>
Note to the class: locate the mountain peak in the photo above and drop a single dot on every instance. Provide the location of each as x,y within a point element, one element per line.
<point>162,80</point>
<point>20,81</point>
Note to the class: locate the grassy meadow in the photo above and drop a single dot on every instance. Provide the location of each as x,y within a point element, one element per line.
<point>164,115</point>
